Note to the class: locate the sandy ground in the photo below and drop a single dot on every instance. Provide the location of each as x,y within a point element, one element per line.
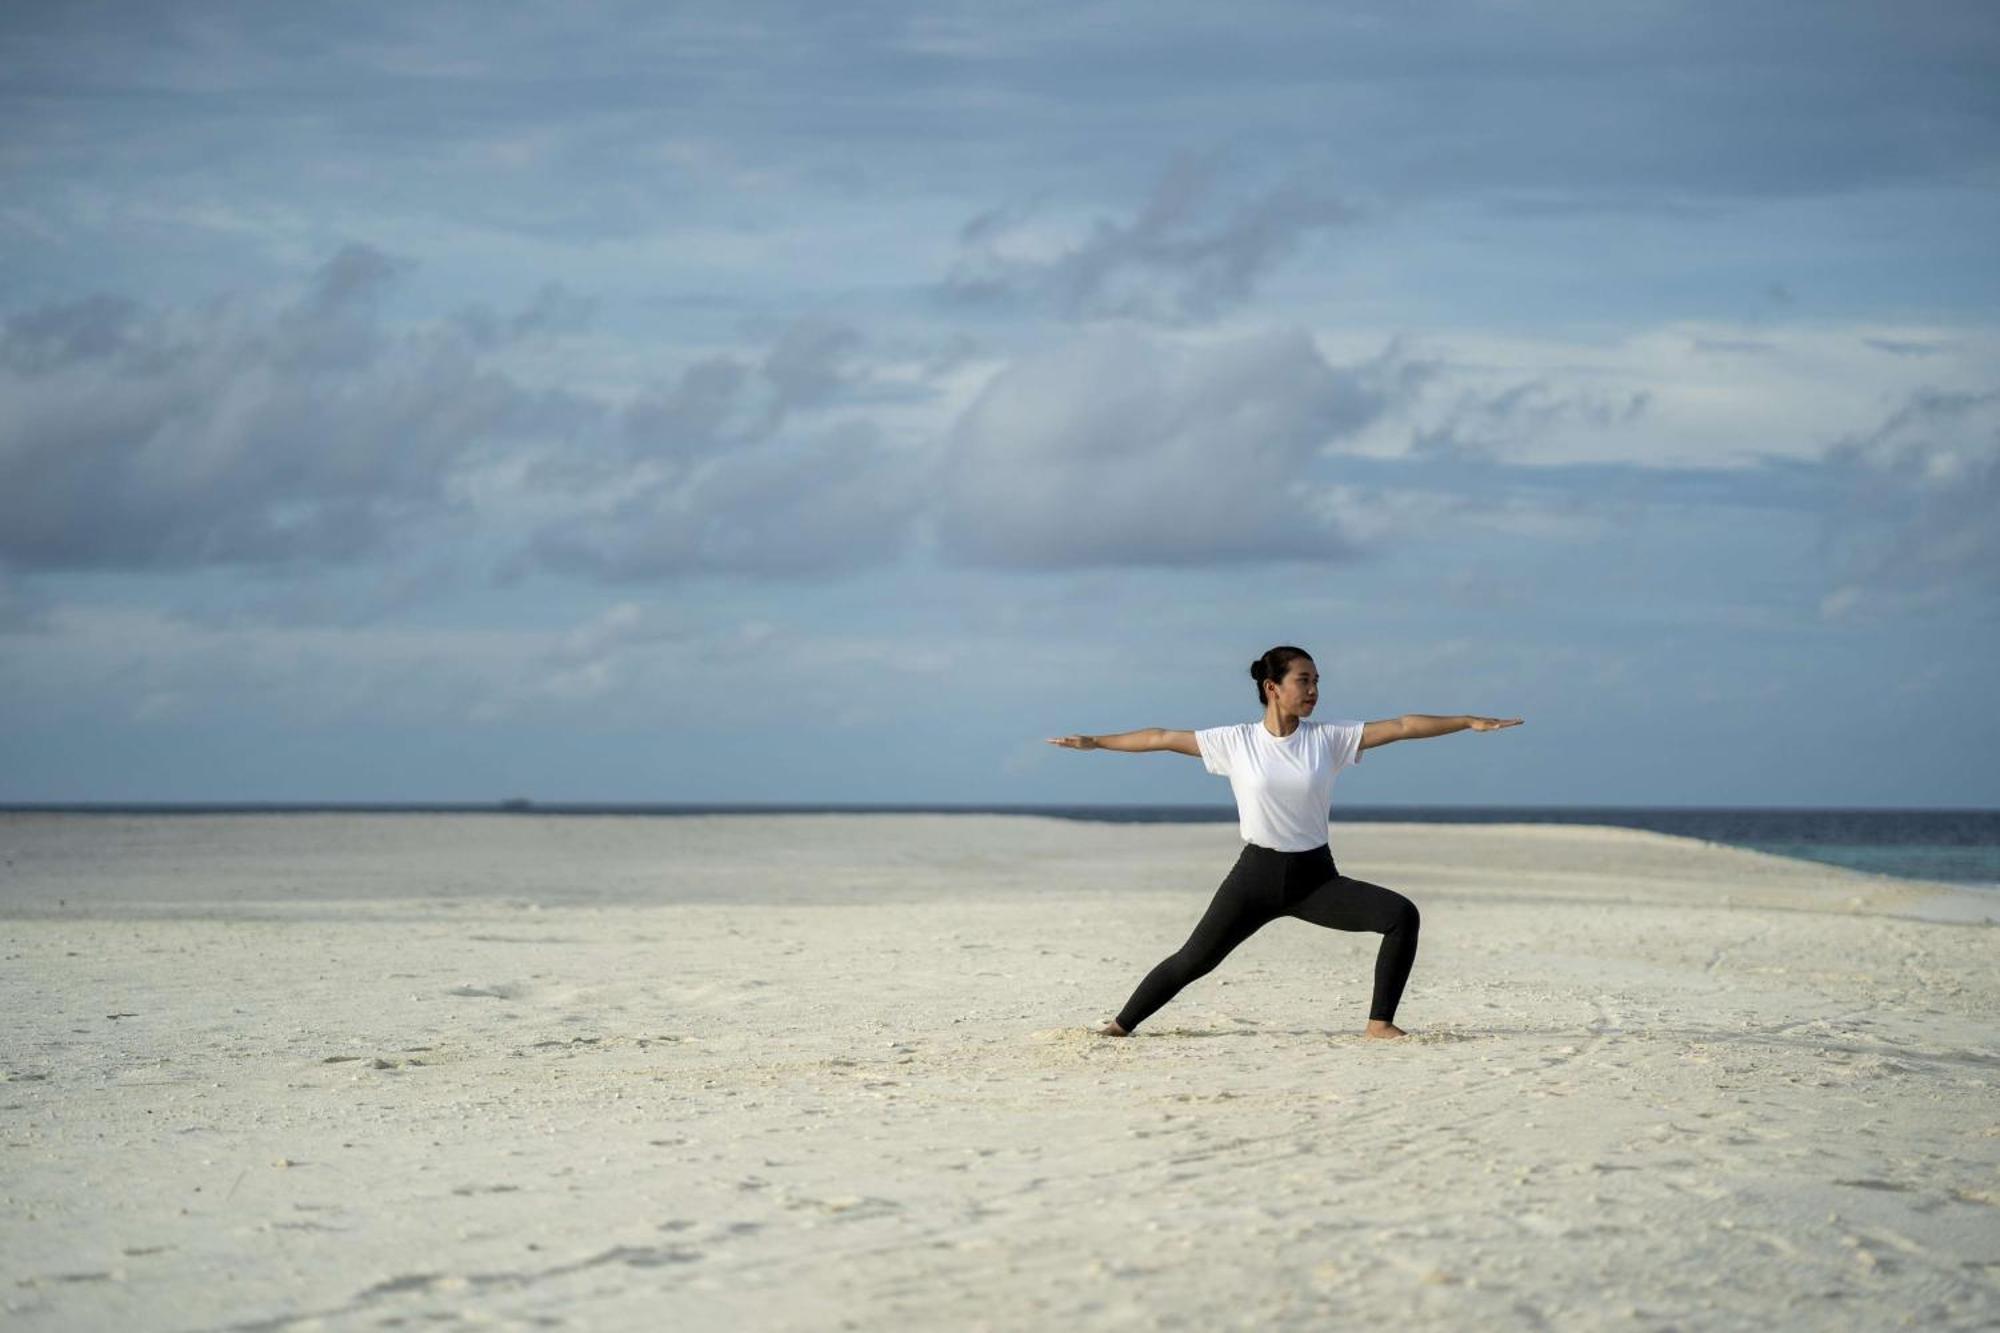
<point>297,1072</point>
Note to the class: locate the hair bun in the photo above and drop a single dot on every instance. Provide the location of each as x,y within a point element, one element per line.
<point>1274,666</point>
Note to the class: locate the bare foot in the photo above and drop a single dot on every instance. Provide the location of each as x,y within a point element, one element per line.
<point>1112,1029</point>
<point>1385,1031</point>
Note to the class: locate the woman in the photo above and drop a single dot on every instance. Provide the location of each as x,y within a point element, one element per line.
<point>1281,770</point>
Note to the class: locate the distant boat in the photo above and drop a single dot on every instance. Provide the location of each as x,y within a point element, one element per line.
<point>517,803</point>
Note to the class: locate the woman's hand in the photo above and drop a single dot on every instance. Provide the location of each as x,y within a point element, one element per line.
<point>1074,742</point>
<point>1491,723</point>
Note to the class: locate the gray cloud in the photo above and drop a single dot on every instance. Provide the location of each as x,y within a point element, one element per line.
<point>701,412</point>
<point>1117,449</point>
<point>96,328</point>
<point>1468,483</point>
<point>799,507</point>
<point>712,473</point>
<point>1482,425</point>
<point>807,365</point>
<point>1922,491</point>
<point>555,310</point>
<point>552,123</point>
<point>708,472</point>
<point>23,607</point>
<point>138,439</point>
<point>317,434</point>
<point>356,277</point>
<point>724,403</point>
<point>1178,260</point>
<point>1907,346</point>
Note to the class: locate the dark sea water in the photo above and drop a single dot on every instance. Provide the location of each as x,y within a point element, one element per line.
<point>1949,846</point>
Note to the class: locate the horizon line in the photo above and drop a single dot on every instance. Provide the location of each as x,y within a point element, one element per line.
<point>520,804</point>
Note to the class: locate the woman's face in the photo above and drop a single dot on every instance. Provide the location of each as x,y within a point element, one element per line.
<point>1299,690</point>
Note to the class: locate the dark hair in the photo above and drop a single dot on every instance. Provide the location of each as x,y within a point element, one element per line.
<point>1275,666</point>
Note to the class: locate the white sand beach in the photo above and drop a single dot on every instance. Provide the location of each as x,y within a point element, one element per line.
<point>820,1072</point>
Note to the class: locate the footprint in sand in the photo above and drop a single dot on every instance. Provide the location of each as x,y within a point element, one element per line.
<point>847,1207</point>
<point>492,990</point>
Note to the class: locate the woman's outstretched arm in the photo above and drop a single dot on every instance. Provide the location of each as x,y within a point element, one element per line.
<point>1152,738</point>
<point>1422,726</point>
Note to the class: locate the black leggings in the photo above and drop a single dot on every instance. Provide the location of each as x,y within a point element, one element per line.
<point>1266,885</point>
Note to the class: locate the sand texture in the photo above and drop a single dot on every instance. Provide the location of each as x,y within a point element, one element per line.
<point>823,1072</point>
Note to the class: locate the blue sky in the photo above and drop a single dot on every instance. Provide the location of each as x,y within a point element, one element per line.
<point>797,402</point>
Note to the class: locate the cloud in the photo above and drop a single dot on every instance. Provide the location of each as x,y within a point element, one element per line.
<point>555,310</point>
<point>137,439</point>
<point>316,433</point>
<point>1179,260</point>
<point>1485,425</point>
<point>50,337</point>
<point>808,506</point>
<point>714,474</point>
<point>1118,448</point>
<point>24,608</point>
<point>806,366</point>
<point>1922,489</point>
<point>1663,396</point>
<point>355,277</point>
<point>1907,346</point>
<point>722,404</point>
<point>553,126</point>
<point>312,433</point>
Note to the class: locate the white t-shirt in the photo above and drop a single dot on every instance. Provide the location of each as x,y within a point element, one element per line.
<point>1283,784</point>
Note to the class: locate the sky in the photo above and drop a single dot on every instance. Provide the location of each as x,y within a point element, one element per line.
<point>798,402</point>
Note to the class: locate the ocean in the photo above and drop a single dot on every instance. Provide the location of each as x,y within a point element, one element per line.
<point>1958,847</point>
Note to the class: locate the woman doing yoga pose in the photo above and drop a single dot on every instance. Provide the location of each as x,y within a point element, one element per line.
<point>1281,770</point>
